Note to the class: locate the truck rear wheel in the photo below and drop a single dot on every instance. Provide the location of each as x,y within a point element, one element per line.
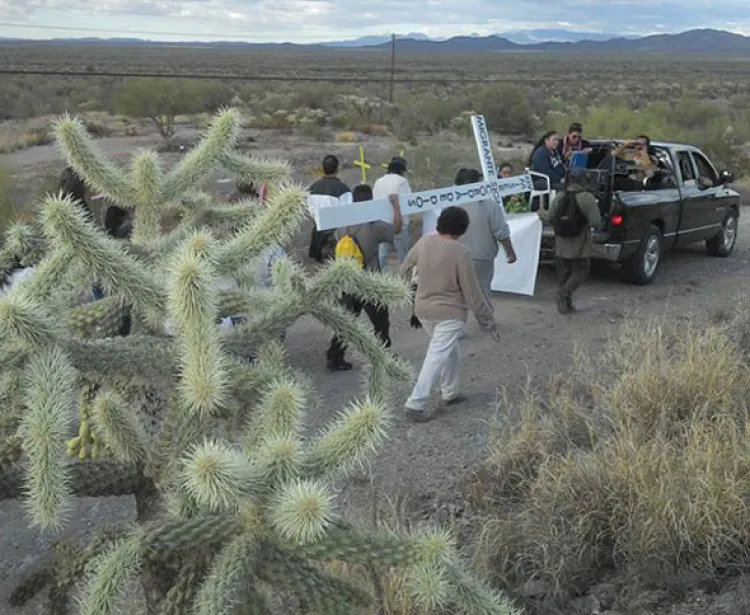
<point>725,240</point>
<point>642,267</point>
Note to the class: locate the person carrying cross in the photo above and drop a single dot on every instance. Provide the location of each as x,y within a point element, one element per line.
<point>487,228</point>
<point>325,190</point>
<point>394,182</point>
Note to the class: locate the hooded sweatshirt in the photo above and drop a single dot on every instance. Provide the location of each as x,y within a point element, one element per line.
<point>549,163</point>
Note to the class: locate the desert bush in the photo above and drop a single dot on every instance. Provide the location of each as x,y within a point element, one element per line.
<point>203,426</point>
<point>313,130</point>
<point>636,461</point>
<point>433,165</point>
<point>508,109</point>
<point>161,100</point>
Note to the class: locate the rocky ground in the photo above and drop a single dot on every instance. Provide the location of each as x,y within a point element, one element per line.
<point>424,462</point>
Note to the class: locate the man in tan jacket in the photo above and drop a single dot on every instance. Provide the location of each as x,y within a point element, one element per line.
<point>447,290</point>
<point>573,213</point>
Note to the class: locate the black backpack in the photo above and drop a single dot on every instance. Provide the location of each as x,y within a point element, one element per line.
<point>569,219</point>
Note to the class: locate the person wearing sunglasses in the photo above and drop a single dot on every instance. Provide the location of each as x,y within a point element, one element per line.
<point>574,142</point>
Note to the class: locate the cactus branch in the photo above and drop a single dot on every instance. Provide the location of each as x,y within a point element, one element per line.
<point>230,577</point>
<point>49,401</point>
<point>110,573</point>
<point>87,161</point>
<point>197,166</point>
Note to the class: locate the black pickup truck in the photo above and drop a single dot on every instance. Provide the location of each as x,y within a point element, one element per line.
<point>685,202</point>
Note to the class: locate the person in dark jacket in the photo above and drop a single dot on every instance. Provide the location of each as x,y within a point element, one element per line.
<point>546,159</point>
<point>573,253</point>
<point>322,243</point>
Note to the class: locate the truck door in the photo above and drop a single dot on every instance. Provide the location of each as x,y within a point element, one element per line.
<point>713,209</point>
<point>695,222</point>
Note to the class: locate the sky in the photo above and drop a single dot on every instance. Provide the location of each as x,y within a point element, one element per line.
<point>319,20</point>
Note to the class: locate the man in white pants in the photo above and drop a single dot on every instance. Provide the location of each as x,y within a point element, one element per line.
<point>394,182</point>
<point>447,289</point>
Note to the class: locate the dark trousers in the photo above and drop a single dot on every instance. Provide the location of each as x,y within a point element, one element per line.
<point>378,317</point>
<point>571,273</point>
<point>322,245</point>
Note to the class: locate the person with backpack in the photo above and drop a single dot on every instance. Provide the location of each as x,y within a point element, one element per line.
<point>572,214</point>
<point>329,190</point>
<point>361,243</point>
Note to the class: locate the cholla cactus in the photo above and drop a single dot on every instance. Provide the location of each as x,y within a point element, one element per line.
<point>234,507</point>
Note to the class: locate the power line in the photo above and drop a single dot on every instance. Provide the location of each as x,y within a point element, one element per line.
<point>125,33</point>
<point>47,72</point>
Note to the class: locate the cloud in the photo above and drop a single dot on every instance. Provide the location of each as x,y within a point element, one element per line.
<point>308,19</point>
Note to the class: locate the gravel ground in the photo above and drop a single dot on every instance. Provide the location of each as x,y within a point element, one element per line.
<point>423,462</point>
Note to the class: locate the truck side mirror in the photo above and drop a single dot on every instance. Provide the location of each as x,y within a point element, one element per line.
<point>726,177</point>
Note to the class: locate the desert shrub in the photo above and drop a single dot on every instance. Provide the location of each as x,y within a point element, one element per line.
<point>201,425</point>
<point>315,96</point>
<point>433,165</point>
<point>161,100</point>
<point>634,461</point>
<point>507,109</point>
<point>313,130</point>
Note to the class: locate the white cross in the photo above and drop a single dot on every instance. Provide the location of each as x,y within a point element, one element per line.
<point>430,201</point>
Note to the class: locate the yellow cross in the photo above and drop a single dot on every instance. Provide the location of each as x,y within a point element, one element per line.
<point>385,166</point>
<point>362,164</point>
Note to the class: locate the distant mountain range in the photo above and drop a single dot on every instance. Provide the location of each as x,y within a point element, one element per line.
<point>702,41</point>
<point>520,37</point>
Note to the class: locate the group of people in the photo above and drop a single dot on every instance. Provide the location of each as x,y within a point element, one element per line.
<point>452,269</point>
<point>554,156</point>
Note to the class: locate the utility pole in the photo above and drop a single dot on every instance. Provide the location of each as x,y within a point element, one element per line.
<point>393,68</point>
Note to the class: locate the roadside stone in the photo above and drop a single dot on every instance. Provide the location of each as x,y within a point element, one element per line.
<point>534,588</point>
<point>587,605</point>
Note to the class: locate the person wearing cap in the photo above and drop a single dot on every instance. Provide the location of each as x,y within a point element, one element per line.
<point>394,182</point>
<point>329,190</point>
<point>573,142</point>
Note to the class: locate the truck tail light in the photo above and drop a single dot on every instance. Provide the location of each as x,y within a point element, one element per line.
<point>617,220</point>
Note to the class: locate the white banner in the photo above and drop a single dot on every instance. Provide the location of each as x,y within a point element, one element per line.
<point>520,277</point>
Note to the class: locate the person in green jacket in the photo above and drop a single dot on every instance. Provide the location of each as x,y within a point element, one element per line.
<point>573,214</point>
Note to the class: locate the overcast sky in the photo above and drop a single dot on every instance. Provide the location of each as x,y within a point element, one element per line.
<point>310,20</point>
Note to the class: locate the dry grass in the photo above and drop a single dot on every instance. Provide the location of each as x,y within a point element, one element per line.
<point>637,461</point>
<point>18,135</point>
<point>345,137</point>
